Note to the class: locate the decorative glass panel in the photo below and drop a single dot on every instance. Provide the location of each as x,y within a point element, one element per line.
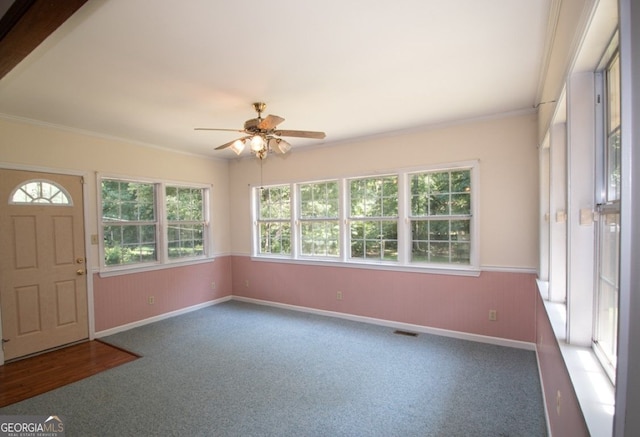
<point>41,192</point>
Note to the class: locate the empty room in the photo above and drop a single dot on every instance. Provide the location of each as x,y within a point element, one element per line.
<point>319,219</point>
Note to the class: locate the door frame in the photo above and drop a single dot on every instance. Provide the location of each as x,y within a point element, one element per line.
<point>87,236</point>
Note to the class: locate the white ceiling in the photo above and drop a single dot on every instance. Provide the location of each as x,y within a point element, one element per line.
<point>149,71</point>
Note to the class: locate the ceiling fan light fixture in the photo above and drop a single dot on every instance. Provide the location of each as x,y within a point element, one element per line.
<point>279,145</point>
<point>257,143</point>
<point>237,146</point>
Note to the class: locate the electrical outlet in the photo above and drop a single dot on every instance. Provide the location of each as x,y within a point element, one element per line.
<point>339,295</point>
<point>493,315</point>
<point>213,285</point>
<point>558,399</point>
<point>246,283</point>
<point>152,300</point>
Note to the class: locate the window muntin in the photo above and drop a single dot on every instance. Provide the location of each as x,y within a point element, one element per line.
<point>185,221</point>
<point>129,223</point>
<point>440,216</point>
<point>376,220</point>
<point>41,192</point>
<point>605,330</point>
<point>319,218</point>
<point>373,218</point>
<point>146,224</point>
<point>274,220</point>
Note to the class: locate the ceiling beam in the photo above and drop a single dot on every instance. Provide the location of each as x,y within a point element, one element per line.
<point>26,24</point>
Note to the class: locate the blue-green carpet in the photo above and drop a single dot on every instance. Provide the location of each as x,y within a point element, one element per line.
<point>238,369</point>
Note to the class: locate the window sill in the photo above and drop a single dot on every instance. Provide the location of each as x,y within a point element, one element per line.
<point>444,270</point>
<point>151,267</point>
<point>596,394</point>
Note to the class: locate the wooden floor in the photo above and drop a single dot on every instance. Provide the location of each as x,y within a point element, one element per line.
<point>26,378</point>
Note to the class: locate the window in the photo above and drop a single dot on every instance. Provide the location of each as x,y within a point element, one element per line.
<point>185,221</point>
<point>608,226</point>
<point>319,219</point>
<point>274,220</point>
<point>373,218</point>
<point>418,219</point>
<point>441,217</point>
<point>129,223</point>
<point>151,223</point>
<point>42,192</point>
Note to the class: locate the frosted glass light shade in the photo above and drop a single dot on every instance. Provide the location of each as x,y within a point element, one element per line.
<point>279,145</point>
<point>237,146</point>
<point>257,143</point>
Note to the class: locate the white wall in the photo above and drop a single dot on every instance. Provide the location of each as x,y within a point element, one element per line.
<point>505,147</point>
<point>45,148</point>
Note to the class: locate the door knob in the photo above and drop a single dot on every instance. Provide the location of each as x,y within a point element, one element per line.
<point>80,271</point>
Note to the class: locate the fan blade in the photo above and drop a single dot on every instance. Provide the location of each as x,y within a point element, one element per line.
<point>213,128</point>
<point>270,122</point>
<point>225,145</point>
<point>300,134</point>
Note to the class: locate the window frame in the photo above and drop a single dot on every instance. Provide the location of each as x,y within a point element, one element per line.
<point>352,218</point>
<point>450,217</point>
<point>403,262</point>
<point>301,220</point>
<point>258,220</point>
<point>163,260</point>
<point>606,204</point>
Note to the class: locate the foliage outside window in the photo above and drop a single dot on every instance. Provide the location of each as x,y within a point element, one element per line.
<point>418,219</point>
<point>151,223</point>
<point>129,222</point>
<point>373,218</point>
<point>185,221</point>
<point>441,217</point>
<point>319,219</point>
<point>274,220</point>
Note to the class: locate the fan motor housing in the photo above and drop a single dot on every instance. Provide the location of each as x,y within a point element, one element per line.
<point>252,125</point>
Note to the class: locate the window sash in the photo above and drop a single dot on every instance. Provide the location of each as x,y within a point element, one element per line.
<point>375,224</point>
<point>136,231</point>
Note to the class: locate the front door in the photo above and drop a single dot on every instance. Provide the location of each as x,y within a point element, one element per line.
<point>43,287</point>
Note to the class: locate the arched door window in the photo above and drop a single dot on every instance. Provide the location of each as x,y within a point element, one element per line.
<point>42,192</point>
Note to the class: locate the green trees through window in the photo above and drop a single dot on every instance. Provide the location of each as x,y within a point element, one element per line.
<point>410,218</point>
<point>373,218</point>
<point>131,227</point>
<point>441,217</point>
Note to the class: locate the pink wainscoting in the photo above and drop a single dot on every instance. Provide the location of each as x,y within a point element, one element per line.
<point>569,421</point>
<point>123,299</point>
<point>456,303</point>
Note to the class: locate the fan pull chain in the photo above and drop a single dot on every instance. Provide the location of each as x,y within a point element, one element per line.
<point>261,184</point>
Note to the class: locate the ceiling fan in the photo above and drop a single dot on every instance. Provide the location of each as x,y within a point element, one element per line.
<point>262,135</point>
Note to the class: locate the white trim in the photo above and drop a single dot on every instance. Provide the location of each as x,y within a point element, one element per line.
<point>396,325</point>
<point>507,269</point>
<point>592,386</point>
<point>159,189</point>
<point>159,317</point>
<point>117,271</point>
<point>544,396</point>
<point>444,270</point>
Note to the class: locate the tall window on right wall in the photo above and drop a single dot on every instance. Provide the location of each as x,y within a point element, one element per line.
<point>605,336</point>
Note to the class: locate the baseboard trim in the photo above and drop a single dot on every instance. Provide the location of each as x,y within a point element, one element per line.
<point>396,325</point>
<point>157,318</point>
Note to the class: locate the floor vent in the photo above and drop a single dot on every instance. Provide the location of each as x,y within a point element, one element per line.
<point>407,333</point>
